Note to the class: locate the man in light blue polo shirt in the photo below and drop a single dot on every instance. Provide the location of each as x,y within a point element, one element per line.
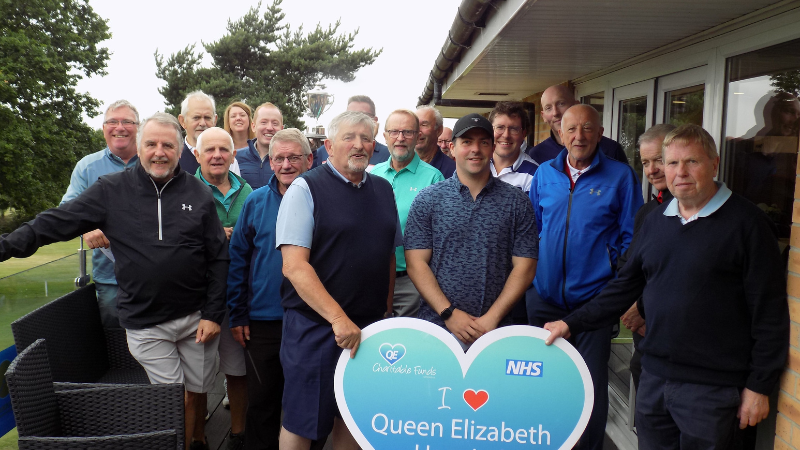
<point>408,175</point>
<point>120,125</point>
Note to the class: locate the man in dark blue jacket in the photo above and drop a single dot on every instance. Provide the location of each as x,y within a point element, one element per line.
<point>556,100</point>
<point>254,280</point>
<point>585,204</point>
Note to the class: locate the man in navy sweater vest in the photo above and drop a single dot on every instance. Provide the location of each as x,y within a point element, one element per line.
<point>337,230</point>
<point>708,270</point>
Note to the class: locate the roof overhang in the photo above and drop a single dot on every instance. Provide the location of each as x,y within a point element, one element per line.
<point>520,47</point>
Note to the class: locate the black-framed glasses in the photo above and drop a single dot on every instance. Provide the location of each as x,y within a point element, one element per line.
<point>293,159</point>
<point>125,123</point>
<point>408,134</point>
<point>443,141</point>
<point>514,131</point>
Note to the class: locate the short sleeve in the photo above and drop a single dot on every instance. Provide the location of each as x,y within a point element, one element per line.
<point>419,228</point>
<point>295,222</point>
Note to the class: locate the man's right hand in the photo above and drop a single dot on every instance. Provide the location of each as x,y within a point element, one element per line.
<point>241,334</point>
<point>96,239</point>
<point>347,334</point>
<point>464,327</point>
<point>557,330</point>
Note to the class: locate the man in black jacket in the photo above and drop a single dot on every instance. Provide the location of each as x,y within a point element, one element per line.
<point>709,273</point>
<point>171,260</point>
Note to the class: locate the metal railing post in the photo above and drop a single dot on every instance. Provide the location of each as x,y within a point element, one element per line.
<point>83,278</point>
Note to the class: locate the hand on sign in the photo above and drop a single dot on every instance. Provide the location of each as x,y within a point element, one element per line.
<point>96,239</point>
<point>557,330</point>
<point>464,327</point>
<point>347,334</point>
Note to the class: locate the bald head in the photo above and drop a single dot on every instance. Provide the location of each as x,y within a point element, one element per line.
<point>556,100</point>
<point>580,132</point>
<point>215,154</point>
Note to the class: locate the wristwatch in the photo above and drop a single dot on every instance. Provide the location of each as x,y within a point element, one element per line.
<point>447,312</point>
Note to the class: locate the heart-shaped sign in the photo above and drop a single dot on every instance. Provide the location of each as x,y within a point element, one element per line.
<point>438,397</point>
<point>392,353</point>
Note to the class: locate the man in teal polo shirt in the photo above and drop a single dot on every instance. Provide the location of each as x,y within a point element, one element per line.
<point>408,175</point>
<point>215,153</point>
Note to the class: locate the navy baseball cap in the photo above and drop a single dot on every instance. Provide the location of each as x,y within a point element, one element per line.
<point>471,121</point>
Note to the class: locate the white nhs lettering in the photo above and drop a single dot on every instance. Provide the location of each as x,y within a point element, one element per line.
<point>524,368</point>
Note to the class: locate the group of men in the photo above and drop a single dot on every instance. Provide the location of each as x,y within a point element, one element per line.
<point>314,246</point>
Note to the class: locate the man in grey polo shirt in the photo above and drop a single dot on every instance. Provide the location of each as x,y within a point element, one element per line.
<point>471,268</point>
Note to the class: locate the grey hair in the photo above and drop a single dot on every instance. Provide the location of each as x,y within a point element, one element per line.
<point>199,146</point>
<point>163,119</point>
<point>348,118</point>
<point>362,99</point>
<point>406,112</point>
<point>691,134</point>
<point>197,94</point>
<point>656,133</point>
<point>291,135</point>
<point>119,104</point>
<point>436,113</point>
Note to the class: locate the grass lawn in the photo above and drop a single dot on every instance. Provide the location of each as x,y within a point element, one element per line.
<point>42,256</point>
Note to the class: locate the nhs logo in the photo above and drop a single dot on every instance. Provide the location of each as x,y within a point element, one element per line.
<point>524,368</point>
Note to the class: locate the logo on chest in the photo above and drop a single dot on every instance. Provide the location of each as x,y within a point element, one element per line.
<point>185,207</point>
<point>593,191</point>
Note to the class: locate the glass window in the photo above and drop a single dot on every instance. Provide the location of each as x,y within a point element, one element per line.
<point>597,100</point>
<point>632,123</point>
<point>761,129</point>
<point>684,106</point>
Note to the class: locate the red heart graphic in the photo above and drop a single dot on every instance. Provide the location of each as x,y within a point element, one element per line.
<point>476,399</point>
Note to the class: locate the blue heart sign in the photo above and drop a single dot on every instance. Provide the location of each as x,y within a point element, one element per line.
<point>412,387</point>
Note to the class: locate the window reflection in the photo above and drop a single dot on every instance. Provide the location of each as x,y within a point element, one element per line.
<point>685,106</point>
<point>632,123</point>
<point>762,126</point>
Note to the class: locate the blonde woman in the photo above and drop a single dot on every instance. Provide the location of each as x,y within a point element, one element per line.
<point>237,123</point>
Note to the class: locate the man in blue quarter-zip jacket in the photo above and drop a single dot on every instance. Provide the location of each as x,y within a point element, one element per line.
<point>585,204</point>
<point>171,261</point>
<point>254,281</point>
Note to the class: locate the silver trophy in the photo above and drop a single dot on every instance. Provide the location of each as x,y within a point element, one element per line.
<point>318,101</point>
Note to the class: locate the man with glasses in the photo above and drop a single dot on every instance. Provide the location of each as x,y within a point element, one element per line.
<point>408,175</point>
<point>120,125</point>
<point>556,100</point>
<point>254,280</point>
<point>430,127</point>
<point>509,163</point>
<point>444,141</point>
<point>363,104</point>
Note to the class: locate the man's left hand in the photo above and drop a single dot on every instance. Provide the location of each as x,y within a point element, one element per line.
<point>632,319</point>
<point>228,232</point>
<point>486,323</point>
<point>206,331</point>
<point>753,409</point>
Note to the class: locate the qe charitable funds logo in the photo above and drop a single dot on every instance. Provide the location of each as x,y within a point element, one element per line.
<point>475,399</point>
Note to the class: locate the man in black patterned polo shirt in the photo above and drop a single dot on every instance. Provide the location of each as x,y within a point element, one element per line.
<point>471,268</point>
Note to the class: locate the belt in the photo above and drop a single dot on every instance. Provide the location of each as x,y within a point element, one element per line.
<point>401,273</point>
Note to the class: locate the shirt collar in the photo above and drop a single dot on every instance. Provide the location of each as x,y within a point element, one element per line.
<point>716,202</point>
<point>342,177</point>
<point>460,186</point>
<point>186,143</point>
<point>116,158</point>
<point>514,167</point>
<point>411,167</point>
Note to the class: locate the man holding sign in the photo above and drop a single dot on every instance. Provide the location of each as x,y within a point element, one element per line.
<point>337,230</point>
<point>471,268</point>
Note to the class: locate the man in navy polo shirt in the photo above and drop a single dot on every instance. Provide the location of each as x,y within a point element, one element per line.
<point>556,100</point>
<point>471,245</point>
<point>364,104</point>
<point>337,230</point>
<point>431,125</point>
<point>254,160</point>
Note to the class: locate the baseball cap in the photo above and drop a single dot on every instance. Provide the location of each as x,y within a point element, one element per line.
<point>471,121</point>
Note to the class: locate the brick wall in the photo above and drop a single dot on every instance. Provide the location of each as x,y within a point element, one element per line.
<point>787,427</point>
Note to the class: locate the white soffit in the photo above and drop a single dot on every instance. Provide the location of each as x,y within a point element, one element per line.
<point>552,41</point>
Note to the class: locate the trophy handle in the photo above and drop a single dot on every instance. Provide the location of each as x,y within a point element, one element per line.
<point>330,103</point>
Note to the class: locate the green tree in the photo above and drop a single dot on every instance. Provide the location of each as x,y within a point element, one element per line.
<point>46,46</point>
<point>262,60</point>
<point>788,81</point>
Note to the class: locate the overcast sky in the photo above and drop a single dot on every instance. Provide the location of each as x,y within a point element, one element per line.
<point>411,34</point>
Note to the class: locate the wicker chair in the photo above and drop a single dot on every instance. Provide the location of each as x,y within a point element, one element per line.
<point>80,349</point>
<point>96,416</point>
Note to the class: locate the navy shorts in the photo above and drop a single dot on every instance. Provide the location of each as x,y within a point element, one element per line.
<point>309,355</point>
